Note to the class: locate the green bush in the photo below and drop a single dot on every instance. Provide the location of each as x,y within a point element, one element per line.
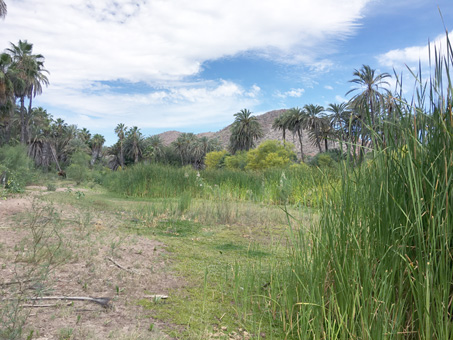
<point>237,161</point>
<point>215,159</point>
<point>15,168</point>
<point>79,168</point>
<point>271,154</point>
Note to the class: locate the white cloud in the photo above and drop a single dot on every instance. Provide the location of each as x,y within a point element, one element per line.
<point>328,87</point>
<point>172,107</point>
<point>412,55</point>
<point>295,93</point>
<point>162,43</point>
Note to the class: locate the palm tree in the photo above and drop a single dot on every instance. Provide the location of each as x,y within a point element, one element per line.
<point>295,119</point>
<point>185,146</point>
<point>314,122</point>
<point>84,135</point>
<point>120,132</point>
<point>155,147</point>
<point>96,143</point>
<point>7,104</point>
<point>28,75</point>
<point>369,97</point>
<point>339,117</point>
<point>244,131</point>
<point>281,123</point>
<point>134,142</point>
<point>3,9</point>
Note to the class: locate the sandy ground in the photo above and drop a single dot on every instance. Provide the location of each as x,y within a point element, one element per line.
<point>88,257</point>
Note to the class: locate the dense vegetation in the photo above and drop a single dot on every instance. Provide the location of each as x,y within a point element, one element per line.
<point>377,261</point>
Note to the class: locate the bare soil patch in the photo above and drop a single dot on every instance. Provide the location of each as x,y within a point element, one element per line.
<point>91,258</point>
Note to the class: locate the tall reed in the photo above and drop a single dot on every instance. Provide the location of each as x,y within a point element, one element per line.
<point>379,265</point>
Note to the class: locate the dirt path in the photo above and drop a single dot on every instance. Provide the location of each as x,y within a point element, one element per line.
<point>84,255</point>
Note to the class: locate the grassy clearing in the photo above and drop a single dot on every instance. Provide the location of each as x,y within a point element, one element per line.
<point>205,241</point>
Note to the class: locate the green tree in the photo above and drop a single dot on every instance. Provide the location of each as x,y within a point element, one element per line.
<point>245,130</point>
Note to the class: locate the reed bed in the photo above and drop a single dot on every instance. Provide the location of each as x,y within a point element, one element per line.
<point>304,186</point>
<point>379,264</point>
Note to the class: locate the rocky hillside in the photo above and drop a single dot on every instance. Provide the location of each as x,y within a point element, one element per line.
<point>266,121</point>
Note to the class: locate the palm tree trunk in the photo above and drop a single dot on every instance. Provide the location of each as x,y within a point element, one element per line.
<point>299,134</point>
<point>121,155</point>
<point>54,154</point>
<point>22,120</point>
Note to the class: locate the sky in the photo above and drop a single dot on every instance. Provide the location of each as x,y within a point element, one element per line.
<point>190,65</point>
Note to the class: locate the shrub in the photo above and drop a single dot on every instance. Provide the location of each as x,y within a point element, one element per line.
<point>215,159</point>
<point>78,170</point>
<point>15,167</point>
<point>237,161</point>
<point>271,154</point>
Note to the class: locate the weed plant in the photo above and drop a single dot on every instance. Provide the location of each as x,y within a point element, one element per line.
<point>379,264</point>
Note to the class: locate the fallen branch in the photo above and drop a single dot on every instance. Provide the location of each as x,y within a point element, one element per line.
<point>104,302</point>
<point>120,266</point>
<point>51,305</point>
<point>156,297</point>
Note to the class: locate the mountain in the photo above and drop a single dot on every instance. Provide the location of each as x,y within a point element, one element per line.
<point>266,120</point>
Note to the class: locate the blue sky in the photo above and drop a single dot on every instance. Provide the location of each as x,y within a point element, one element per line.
<point>189,65</point>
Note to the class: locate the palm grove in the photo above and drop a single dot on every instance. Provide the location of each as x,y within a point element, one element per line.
<point>55,145</point>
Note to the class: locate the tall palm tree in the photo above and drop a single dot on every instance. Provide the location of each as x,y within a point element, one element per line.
<point>314,122</point>
<point>245,130</point>
<point>120,132</point>
<point>28,75</point>
<point>7,98</point>
<point>96,143</point>
<point>370,87</point>
<point>295,119</point>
